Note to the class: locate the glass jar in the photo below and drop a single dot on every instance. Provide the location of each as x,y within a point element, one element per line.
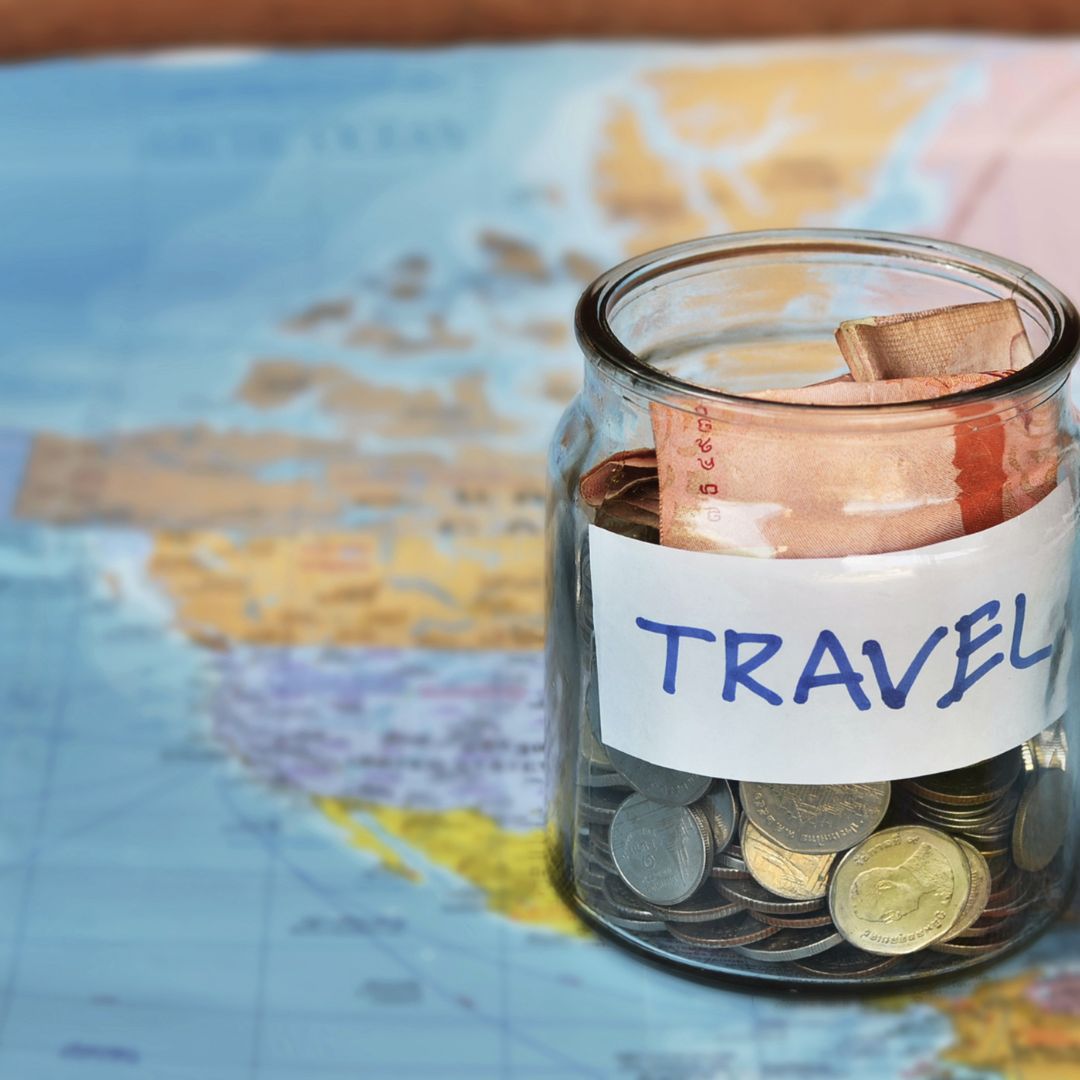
<point>820,734</point>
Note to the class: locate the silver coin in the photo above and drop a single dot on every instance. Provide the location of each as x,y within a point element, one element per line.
<point>719,807</point>
<point>847,962</point>
<point>626,903</point>
<point>792,945</point>
<point>695,910</point>
<point>590,878</point>
<point>1042,820</point>
<point>603,778</point>
<point>1047,750</point>
<point>667,786</point>
<point>794,922</point>
<point>747,891</point>
<point>638,926</point>
<point>661,852</point>
<point>597,860</point>
<point>702,910</point>
<point>728,873</point>
<point>815,819</point>
<point>599,842</point>
<point>726,934</point>
<point>598,805</point>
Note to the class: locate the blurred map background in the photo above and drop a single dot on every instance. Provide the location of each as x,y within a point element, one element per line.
<point>283,340</point>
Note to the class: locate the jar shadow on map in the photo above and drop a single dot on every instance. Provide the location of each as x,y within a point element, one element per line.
<point>816,861</point>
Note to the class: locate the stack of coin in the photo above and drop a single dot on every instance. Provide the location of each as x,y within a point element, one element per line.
<point>977,804</point>
<point>843,881</point>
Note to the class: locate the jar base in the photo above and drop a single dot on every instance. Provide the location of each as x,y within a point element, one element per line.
<point>786,978</point>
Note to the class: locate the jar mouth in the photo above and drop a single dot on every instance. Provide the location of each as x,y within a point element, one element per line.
<point>605,348</point>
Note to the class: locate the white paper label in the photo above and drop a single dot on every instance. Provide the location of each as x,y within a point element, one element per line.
<point>816,671</point>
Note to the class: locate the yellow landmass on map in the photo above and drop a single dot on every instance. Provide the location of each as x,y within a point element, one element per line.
<point>507,867</point>
<point>365,840</point>
<point>1001,1028</point>
<point>793,140</point>
<point>351,589</point>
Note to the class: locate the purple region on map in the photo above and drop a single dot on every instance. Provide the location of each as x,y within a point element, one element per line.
<point>422,729</point>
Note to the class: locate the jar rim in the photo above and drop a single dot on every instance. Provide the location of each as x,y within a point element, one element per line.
<point>603,346</point>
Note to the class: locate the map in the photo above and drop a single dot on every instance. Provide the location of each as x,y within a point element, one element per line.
<point>284,339</point>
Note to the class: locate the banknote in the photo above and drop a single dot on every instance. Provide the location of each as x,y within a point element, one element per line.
<point>944,341</point>
<point>956,340</point>
<point>736,481</point>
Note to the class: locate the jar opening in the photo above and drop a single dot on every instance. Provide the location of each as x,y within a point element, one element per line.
<point>665,324</point>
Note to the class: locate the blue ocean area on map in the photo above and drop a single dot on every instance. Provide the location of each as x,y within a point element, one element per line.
<point>284,340</point>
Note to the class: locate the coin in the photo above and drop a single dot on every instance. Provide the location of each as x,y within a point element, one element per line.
<point>968,948</point>
<point>1047,750</point>
<point>662,852</point>
<point>598,777</point>
<point>757,898</point>
<point>988,930</point>
<point>726,934</point>
<point>598,862</point>
<point>1009,888</point>
<point>589,878</point>
<point>794,922</point>
<point>668,786</point>
<point>599,805</point>
<point>592,750</point>
<point>979,783</point>
<point>639,926</point>
<point>846,962</point>
<point>989,849</point>
<point>986,818</point>
<point>1042,819</point>
<point>733,858</point>
<point>899,890</point>
<point>728,873</point>
<point>719,807</point>
<point>792,945</point>
<point>978,894</point>
<point>600,850</point>
<point>815,819</point>
<point>697,909</point>
<point>789,874</point>
<point>626,903</point>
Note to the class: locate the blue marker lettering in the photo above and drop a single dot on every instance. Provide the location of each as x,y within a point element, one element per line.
<point>736,672</point>
<point>673,634</point>
<point>895,695</point>
<point>1015,658</point>
<point>846,675</point>
<point>968,645</point>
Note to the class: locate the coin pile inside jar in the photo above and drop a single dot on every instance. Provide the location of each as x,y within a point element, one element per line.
<point>842,880</point>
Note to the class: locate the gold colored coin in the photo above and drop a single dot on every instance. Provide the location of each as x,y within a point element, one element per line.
<point>786,873</point>
<point>978,895</point>
<point>900,890</point>
<point>815,819</point>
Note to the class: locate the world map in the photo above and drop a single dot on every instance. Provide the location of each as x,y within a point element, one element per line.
<point>285,338</point>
